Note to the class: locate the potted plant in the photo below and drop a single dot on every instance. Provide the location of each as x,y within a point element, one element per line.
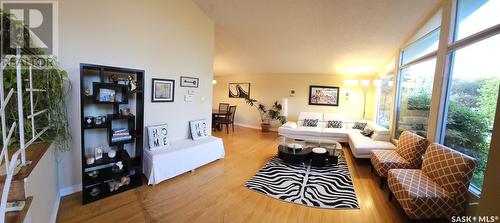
<point>267,115</point>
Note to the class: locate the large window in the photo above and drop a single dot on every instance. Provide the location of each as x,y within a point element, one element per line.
<point>384,101</point>
<point>415,97</point>
<point>476,15</point>
<point>474,85</point>
<point>425,45</point>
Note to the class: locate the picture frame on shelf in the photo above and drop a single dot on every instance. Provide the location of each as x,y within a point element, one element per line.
<point>324,95</point>
<point>162,90</point>
<point>189,81</point>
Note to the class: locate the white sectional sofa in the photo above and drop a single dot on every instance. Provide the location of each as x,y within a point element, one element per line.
<point>361,146</point>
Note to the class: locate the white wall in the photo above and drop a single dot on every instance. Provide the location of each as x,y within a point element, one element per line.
<point>42,185</point>
<point>268,88</point>
<point>166,38</point>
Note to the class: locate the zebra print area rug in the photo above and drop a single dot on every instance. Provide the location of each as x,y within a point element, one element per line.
<point>326,187</point>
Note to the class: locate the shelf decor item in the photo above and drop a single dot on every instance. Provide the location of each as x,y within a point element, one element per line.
<point>90,160</point>
<point>110,87</point>
<point>89,120</point>
<point>163,90</point>
<point>324,95</point>
<point>189,82</point>
<point>125,112</point>
<point>106,93</point>
<point>98,153</point>
<point>111,153</point>
<point>132,84</point>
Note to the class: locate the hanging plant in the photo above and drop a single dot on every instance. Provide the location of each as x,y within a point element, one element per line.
<point>53,85</point>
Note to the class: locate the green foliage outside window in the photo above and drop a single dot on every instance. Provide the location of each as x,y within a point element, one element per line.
<point>471,110</point>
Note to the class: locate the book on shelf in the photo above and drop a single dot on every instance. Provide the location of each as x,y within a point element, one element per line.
<point>120,135</point>
<point>121,138</point>
<point>122,130</point>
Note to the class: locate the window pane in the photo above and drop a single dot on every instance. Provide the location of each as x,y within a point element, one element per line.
<point>472,102</point>
<point>384,101</point>
<point>421,47</point>
<point>415,97</point>
<point>476,15</point>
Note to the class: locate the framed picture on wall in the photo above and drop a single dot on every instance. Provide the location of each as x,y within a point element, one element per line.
<point>162,90</point>
<point>189,82</point>
<point>239,90</point>
<point>323,95</point>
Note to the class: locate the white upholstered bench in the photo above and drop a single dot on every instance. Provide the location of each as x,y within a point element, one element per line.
<point>180,157</point>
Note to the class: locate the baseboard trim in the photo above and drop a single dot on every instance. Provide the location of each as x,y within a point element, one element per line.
<point>70,190</point>
<point>253,126</point>
<point>55,209</point>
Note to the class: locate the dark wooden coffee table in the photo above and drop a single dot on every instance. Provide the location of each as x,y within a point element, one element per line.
<point>294,156</point>
<point>304,156</point>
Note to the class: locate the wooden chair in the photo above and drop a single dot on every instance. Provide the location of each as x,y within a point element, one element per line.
<point>223,107</point>
<point>228,120</point>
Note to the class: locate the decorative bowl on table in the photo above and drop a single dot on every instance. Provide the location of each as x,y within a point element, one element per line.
<point>295,146</point>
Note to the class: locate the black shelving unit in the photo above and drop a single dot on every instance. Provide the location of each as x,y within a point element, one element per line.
<point>96,176</point>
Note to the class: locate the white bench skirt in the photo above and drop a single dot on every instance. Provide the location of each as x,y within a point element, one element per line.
<point>181,157</point>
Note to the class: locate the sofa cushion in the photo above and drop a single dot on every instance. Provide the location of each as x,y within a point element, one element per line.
<point>362,145</point>
<point>333,116</point>
<point>310,115</point>
<point>380,137</point>
<point>368,132</point>
<point>337,124</point>
<point>334,132</point>
<point>301,131</point>
<point>381,130</point>
<point>291,125</point>
<point>310,122</point>
<point>359,125</point>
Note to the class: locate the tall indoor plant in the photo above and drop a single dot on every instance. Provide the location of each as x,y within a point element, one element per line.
<point>267,115</point>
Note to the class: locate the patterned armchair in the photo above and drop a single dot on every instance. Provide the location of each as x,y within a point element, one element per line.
<point>407,155</point>
<point>439,189</point>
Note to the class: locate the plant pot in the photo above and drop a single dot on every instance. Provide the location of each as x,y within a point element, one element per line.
<point>265,127</point>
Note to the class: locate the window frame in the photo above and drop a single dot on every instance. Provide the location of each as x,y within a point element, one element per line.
<point>442,76</point>
<point>386,76</point>
<point>453,46</point>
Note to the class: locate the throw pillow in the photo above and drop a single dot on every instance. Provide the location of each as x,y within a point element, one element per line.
<point>359,125</point>
<point>310,122</point>
<point>367,132</point>
<point>334,124</point>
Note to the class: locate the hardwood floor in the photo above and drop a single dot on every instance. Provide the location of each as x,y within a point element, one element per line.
<point>215,193</point>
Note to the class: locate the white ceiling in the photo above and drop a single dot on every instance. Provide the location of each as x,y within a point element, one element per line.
<point>310,36</point>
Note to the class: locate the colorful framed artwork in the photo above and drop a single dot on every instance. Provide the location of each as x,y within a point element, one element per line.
<point>324,95</point>
<point>162,90</point>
